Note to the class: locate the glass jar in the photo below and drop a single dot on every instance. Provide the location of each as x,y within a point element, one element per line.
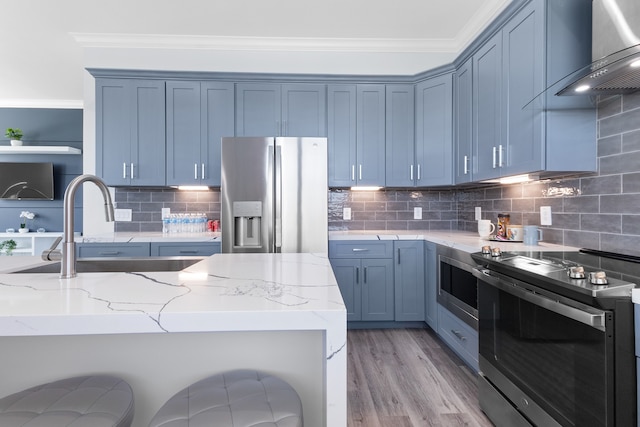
<point>503,225</point>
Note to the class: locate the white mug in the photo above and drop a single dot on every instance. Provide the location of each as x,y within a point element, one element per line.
<point>515,233</point>
<point>485,227</point>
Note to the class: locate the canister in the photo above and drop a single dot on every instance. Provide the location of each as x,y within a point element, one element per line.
<point>503,225</point>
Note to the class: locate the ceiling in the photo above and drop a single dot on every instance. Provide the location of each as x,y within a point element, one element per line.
<point>46,45</point>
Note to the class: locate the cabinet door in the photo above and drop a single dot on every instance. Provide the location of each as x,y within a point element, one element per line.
<point>487,84</point>
<point>348,274</point>
<point>431,297</point>
<point>258,108</point>
<point>217,121</point>
<point>113,130</point>
<point>183,133</point>
<point>409,280</point>
<point>523,61</point>
<point>341,127</point>
<point>434,143</point>
<point>377,289</point>
<point>304,110</point>
<point>370,135</point>
<point>401,168</point>
<point>98,250</point>
<point>463,123</point>
<point>148,133</point>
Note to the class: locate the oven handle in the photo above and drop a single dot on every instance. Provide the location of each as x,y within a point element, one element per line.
<point>594,318</point>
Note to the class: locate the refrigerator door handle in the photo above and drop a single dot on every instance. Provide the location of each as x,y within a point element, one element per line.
<point>278,199</point>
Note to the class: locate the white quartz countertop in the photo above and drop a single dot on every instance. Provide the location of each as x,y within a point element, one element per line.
<point>130,237</point>
<point>463,240</point>
<point>225,292</point>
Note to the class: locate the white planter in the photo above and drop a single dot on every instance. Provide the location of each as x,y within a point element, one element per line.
<point>23,230</point>
<point>16,142</point>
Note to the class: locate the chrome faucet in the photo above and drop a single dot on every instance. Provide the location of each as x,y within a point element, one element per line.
<point>68,255</point>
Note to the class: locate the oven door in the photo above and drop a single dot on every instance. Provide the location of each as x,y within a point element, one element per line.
<point>551,357</point>
<point>458,289</point>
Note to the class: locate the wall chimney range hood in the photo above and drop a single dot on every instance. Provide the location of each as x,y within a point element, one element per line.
<point>615,51</point>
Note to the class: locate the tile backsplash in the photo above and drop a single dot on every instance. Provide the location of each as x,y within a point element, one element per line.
<point>601,210</point>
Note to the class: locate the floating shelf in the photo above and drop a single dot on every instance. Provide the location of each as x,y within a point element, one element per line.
<point>39,150</point>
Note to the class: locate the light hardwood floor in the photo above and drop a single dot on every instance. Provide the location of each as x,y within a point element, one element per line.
<point>408,378</point>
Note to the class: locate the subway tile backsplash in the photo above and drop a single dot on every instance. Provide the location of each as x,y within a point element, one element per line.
<point>600,210</point>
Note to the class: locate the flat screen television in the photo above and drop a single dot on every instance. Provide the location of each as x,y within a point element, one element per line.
<point>26,181</point>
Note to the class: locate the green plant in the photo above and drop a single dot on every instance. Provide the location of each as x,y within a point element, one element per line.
<point>14,133</point>
<point>8,246</point>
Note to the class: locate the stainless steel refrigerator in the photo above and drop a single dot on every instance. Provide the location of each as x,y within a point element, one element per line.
<point>274,195</point>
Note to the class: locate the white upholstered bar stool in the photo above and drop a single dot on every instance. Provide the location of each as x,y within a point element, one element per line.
<point>240,398</point>
<point>87,401</point>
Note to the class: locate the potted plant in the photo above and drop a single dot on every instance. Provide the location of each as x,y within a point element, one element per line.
<point>14,135</point>
<point>8,246</point>
<point>24,217</point>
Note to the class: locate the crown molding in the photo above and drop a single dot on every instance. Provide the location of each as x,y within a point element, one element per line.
<point>157,41</point>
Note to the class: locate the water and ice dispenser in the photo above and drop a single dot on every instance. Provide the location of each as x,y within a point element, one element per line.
<point>247,219</point>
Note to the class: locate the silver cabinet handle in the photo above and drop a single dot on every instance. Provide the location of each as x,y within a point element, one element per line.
<point>357,274</point>
<point>195,171</point>
<point>110,253</point>
<point>203,174</point>
<point>411,172</point>
<point>419,172</point>
<point>124,170</point>
<point>359,250</point>
<point>398,256</point>
<point>494,157</point>
<point>360,172</point>
<point>131,167</point>
<point>365,275</point>
<point>500,164</point>
<point>353,172</point>
<point>466,165</point>
<point>458,335</point>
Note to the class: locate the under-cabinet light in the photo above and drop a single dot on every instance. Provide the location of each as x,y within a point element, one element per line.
<point>365,188</point>
<point>193,187</point>
<point>514,179</point>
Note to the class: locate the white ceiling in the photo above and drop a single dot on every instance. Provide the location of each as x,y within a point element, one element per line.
<point>46,45</point>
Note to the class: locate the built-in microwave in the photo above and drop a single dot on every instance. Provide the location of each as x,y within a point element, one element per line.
<point>457,286</point>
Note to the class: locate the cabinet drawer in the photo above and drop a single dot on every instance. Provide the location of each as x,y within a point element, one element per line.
<point>185,249</point>
<point>459,336</point>
<point>93,250</point>
<point>360,249</point>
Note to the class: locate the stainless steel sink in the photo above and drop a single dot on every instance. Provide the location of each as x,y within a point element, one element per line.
<point>120,265</point>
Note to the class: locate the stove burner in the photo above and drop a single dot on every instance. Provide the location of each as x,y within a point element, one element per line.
<point>496,252</point>
<point>486,250</point>
<point>576,272</point>
<point>598,278</point>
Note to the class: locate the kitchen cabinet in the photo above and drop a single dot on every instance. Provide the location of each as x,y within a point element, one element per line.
<point>488,148</point>
<point>409,285</point>
<point>113,249</point>
<point>462,155</point>
<point>198,115</point>
<point>130,131</point>
<point>459,336</point>
<point>184,248</point>
<point>270,109</point>
<point>364,271</point>
<point>402,169</point>
<point>434,131</point>
<point>356,133</point>
<point>431,285</point>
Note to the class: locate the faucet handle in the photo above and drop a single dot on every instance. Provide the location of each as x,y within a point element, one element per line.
<point>52,254</point>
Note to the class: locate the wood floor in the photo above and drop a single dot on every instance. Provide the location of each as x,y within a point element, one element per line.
<point>408,378</point>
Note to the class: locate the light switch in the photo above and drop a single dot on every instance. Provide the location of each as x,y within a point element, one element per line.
<point>545,215</point>
<point>417,213</point>
<point>122,214</point>
<point>166,212</point>
<point>346,214</point>
<point>478,213</point>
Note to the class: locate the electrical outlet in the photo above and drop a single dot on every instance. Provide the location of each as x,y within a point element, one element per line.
<point>417,213</point>
<point>545,215</point>
<point>122,214</point>
<point>346,214</point>
<point>478,213</point>
<point>166,212</point>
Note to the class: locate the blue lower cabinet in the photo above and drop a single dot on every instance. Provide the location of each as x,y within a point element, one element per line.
<point>409,285</point>
<point>99,250</point>
<point>185,249</point>
<point>459,336</point>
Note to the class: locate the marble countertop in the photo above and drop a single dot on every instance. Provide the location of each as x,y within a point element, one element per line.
<point>225,292</point>
<point>130,237</point>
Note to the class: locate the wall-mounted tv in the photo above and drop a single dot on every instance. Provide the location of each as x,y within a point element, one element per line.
<point>26,181</point>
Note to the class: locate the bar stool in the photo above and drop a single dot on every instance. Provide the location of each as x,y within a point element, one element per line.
<point>86,401</point>
<point>240,398</point>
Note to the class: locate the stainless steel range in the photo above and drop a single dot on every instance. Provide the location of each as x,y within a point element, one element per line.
<point>556,337</point>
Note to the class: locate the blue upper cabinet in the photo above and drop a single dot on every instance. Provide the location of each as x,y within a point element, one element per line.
<point>402,169</point>
<point>463,108</point>
<point>488,149</point>
<point>356,135</point>
<point>370,135</point>
<point>269,109</point>
<point>199,114</point>
<point>434,132</point>
<point>130,131</point>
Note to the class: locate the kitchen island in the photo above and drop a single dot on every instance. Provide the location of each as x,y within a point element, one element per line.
<point>161,331</point>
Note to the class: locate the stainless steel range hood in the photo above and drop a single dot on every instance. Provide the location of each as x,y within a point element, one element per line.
<point>615,51</point>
